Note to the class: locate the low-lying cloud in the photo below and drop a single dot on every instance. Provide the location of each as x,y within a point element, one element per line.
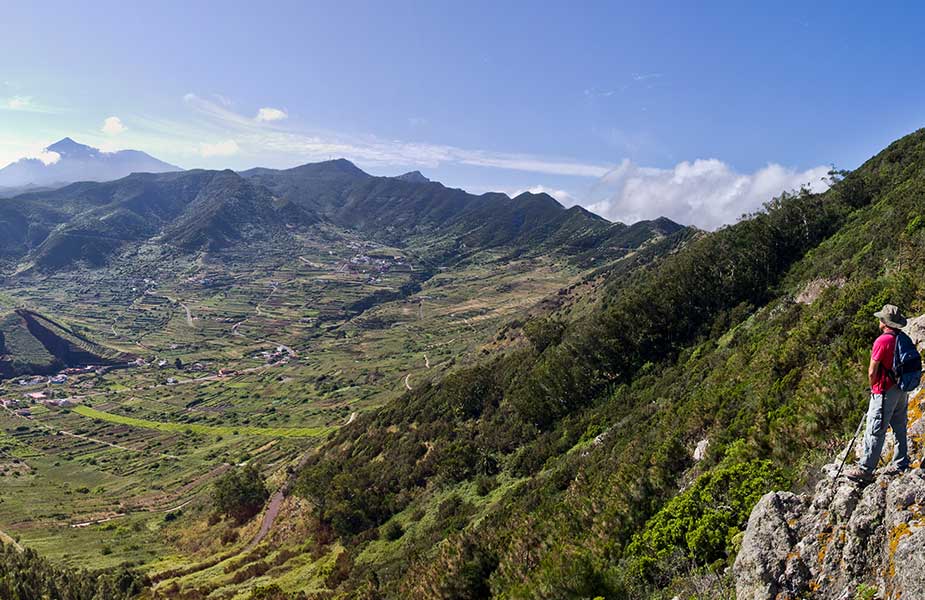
<point>706,193</point>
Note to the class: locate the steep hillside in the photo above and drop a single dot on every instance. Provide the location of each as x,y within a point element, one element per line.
<point>568,468</point>
<point>32,344</point>
<point>412,210</point>
<point>90,222</point>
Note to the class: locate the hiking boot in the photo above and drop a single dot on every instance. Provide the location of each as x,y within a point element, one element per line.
<point>859,475</point>
<point>893,470</point>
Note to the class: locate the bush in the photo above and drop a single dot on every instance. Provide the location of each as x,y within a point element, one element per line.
<point>240,493</point>
<point>702,521</point>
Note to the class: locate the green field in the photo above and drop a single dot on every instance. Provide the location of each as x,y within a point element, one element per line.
<point>91,485</point>
<point>295,432</point>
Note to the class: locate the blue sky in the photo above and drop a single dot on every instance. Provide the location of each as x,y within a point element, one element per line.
<point>700,111</point>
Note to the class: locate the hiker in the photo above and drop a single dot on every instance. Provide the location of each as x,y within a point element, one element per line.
<point>888,403</point>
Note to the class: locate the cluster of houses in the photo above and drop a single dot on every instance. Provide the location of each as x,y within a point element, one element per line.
<point>277,354</point>
<point>21,407</point>
<point>59,379</point>
<point>378,264</point>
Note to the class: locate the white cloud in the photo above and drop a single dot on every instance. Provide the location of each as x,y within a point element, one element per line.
<point>113,126</point>
<point>19,103</point>
<point>369,150</point>
<point>707,193</point>
<point>25,104</point>
<point>225,148</point>
<point>47,156</point>
<point>267,114</point>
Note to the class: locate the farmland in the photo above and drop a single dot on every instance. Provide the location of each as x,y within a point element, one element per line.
<point>246,356</point>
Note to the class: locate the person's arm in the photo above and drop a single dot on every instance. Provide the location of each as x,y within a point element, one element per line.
<point>873,370</point>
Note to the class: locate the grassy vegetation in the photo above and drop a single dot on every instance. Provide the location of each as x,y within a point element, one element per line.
<point>602,417</point>
<point>147,442</point>
<point>203,429</point>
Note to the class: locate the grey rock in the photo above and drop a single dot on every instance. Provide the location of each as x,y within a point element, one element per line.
<point>826,544</point>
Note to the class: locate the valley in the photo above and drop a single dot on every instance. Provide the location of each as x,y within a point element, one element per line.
<point>276,346</point>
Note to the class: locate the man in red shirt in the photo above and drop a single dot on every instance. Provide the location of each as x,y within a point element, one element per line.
<point>888,404</point>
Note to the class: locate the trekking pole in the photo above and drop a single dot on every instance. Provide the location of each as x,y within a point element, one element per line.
<point>850,446</point>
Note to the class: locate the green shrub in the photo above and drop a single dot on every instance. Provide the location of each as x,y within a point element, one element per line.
<point>240,493</point>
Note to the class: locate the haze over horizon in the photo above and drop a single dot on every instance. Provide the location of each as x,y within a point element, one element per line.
<point>699,114</point>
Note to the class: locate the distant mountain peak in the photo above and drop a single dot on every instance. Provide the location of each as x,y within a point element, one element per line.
<point>67,147</point>
<point>413,177</point>
<point>79,162</point>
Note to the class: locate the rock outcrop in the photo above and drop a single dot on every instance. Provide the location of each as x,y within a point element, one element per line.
<point>843,541</point>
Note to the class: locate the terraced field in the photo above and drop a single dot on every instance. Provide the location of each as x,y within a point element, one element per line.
<point>249,356</point>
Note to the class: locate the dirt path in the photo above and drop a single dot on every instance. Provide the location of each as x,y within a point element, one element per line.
<point>276,502</point>
<point>353,417</point>
<point>426,361</point>
<point>97,521</point>
<point>8,539</point>
<point>269,517</point>
<point>267,299</point>
<point>189,315</point>
<point>234,328</point>
<point>408,385</point>
<point>310,263</point>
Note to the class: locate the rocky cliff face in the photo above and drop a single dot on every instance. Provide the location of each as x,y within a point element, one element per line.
<point>843,541</point>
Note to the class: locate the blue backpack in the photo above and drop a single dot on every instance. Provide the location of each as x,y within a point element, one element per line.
<point>907,363</point>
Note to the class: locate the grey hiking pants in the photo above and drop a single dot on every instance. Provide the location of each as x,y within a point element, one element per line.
<point>886,410</point>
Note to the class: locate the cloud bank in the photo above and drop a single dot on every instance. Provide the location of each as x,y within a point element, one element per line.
<point>707,193</point>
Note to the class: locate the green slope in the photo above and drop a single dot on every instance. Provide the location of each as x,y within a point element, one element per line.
<point>566,470</point>
<point>31,343</point>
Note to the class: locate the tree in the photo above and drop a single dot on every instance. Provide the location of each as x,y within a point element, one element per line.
<point>240,493</point>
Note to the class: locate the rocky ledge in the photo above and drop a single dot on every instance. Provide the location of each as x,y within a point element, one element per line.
<point>843,541</point>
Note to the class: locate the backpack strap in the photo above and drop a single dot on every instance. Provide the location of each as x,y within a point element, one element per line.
<point>889,370</point>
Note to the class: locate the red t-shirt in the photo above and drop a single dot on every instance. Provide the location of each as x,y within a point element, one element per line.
<point>883,352</point>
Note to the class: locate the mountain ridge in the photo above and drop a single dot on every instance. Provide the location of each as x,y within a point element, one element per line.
<point>202,210</point>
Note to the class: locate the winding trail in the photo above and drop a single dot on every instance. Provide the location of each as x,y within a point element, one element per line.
<point>408,385</point>
<point>189,315</point>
